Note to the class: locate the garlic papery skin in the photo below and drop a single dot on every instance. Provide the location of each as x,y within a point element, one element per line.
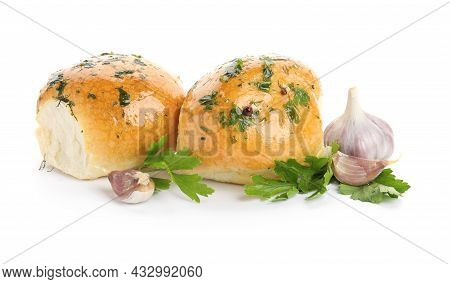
<point>140,194</point>
<point>356,171</point>
<point>360,134</point>
<point>132,186</point>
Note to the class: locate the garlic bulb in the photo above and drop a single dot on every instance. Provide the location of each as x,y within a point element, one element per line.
<point>132,186</point>
<point>366,142</point>
<point>360,134</point>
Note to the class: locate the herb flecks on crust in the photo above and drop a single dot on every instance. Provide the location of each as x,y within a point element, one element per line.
<point>241,117</point>
<point>91,96</point>
<point>65,99</point>
<point>209,101</point>
<point>122,73</point>
<point>233,71</point>
<point>300,98</point>
<point>124,97</point>
<point>266,82</point>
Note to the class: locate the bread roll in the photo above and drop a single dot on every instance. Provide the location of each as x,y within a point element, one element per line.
<point>102,114</point>
<point>248,113</point>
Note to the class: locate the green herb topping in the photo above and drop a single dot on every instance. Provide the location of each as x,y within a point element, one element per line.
<point>209,101</point>
<point>159,158</point>
<point>205,129</point>
<point>124,97</point>
<point>267,74</point>
<point>121,74</point>
<point>267,71</point>
<point>234,71</point>
<point>88,63</point>
<point>107,53</point>
<point>65,99</point>
<point>291,107</point>
<point>139,62</point>
<point>241,117</point>
<point>57,77</point>
<point>292,112</point>
<point>264,86</point>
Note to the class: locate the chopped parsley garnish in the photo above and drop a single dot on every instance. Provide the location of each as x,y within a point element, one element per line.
<point>300,97</point>
<point>241,117</point>
<point>264,86</point>
<point>86,64</point>
<point>56,78</point>
<point>209,101</point>
<point>60,88</point>
<point>124,97</point>
<point>267,74</point>
<point>205,129</point>
<point>139,62</point>
<point>267,71</point>
<point>223,119</point>
<point>65,99</point>
<point>292,112</point>
<point>159,158</point>
<point>234,71</point>
<point>121,74</point>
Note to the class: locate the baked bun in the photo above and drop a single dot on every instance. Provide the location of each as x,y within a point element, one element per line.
<point>248,113</point>
<point>102,114</point>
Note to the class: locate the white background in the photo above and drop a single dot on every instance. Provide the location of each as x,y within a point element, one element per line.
<point>236,239</point>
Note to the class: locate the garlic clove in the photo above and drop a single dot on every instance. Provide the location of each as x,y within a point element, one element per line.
<point>132,186</point>
<point>360,134</point>
<point>141,194</point>
<point>356,171</point>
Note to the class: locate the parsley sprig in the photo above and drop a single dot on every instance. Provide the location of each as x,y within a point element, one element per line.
<point>295,178</point>
<point>159,158</point>
<point>313,178</point>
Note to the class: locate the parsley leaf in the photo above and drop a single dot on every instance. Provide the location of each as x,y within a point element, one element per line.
<point>388,179</point>
<point>159,158</point>
<point>271,189</point>
<point>385,186</point>
<point>161,183</point>
<point>191,185</point>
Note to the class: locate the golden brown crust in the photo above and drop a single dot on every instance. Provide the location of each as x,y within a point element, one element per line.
<point>231,155</point>
<point>122,103</point>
